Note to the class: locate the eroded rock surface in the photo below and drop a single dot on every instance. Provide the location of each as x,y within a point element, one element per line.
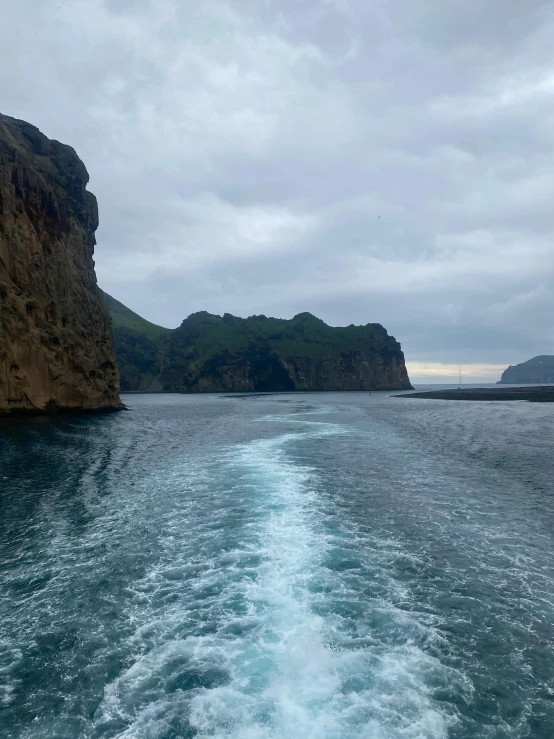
<point>56,340</point>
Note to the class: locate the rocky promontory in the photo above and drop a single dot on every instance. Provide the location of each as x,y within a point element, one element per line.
<point>210,353</point>
<point>56,339</point>
<point>535,371</point>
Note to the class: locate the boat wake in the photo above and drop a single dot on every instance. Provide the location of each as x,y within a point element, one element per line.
<point>269,635</point>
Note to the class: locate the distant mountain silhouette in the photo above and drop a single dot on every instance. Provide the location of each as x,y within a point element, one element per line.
<point>537,370</point>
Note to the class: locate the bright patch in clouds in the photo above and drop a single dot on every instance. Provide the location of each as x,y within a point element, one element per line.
<point>438,372</point>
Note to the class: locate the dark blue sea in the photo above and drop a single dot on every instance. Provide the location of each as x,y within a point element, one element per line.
<point>292,566</point>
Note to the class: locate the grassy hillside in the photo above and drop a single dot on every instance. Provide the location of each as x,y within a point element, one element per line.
<point>123,317</point>
<point>202,336</point>
<point>139,347</point>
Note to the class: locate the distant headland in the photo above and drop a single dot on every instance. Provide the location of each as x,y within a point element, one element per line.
<point>535,371</point>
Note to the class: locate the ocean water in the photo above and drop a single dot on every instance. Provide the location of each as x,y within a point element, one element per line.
<point>291,566</point>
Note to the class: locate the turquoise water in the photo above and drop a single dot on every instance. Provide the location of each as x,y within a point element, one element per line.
<point>315,566</point>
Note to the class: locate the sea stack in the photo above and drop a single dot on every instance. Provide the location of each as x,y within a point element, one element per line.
<point>56,340</point>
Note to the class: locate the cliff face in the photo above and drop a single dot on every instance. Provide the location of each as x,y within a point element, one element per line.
<point>356,370</point>
<point>56,340</point>
<point>210,353</point>
<point>535,371</point>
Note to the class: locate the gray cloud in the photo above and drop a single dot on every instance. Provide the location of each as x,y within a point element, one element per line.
<point>389,161</point>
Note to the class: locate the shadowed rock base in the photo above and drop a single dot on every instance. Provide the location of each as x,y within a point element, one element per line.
<point>61,411</point>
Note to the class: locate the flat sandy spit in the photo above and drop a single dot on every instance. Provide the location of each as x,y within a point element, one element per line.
<point>533,394</point>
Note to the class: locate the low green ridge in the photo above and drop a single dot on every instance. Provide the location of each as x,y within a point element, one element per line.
<point>210,353</point>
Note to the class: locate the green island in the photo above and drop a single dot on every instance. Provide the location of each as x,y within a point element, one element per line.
<point>210,353</point>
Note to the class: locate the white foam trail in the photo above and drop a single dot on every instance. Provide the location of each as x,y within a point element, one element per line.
<point>305,692</point>
<point>282,666</point>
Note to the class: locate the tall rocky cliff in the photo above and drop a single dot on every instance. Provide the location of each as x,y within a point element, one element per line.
<point>209,353</point>
<point>56,339</point>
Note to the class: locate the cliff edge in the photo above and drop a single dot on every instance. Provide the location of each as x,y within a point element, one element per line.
<point>209,353</point>
<point>56,340</point>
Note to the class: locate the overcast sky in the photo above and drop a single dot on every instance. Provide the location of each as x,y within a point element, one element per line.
<point>384,161</point>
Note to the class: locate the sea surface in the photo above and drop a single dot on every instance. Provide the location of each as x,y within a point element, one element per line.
<point>289,566</point>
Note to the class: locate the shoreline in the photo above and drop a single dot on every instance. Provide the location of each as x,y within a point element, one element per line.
<point>542,394</point>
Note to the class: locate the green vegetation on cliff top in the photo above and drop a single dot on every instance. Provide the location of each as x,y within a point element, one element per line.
<point>203,335</point>
<point>139,347</point>
<point>208,353</point>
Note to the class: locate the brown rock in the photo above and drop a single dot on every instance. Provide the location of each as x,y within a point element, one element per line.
<point>56,340</point>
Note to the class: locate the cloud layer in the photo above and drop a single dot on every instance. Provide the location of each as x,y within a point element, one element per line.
<point>388,161</point>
